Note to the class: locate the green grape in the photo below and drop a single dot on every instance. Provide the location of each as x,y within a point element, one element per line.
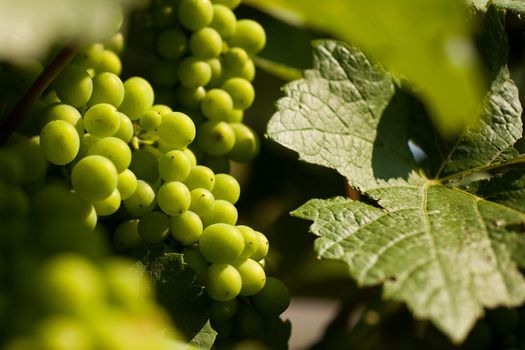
<point>60,142</point>
<point>186,228</point>
<point>144,165</point>
<point>162,109</point>
<point>223,310</point>
<point>142,201</point>
<point>126,235</point>
<point>86,142</point>
<point>177,129</point>
<point>216,137</point>
<point>217,104</point>
<point>108,205</point>
<point>273,298</point>
<point>113,149</point>
<point>60,332</point>
<point>195,14</point>
<point>236,116</point>
<point>138,97</point>
<point>94,178</point>
<point>73,86</point>
<point>190,97</point>
<point>221,243</point>
<point>174,198</point>
<point>125,130</point>
<point>128,284</point>
<point>234,59</point>
<point>68,283</point>
<point>174,166</point>
<point>101,120</point>
<point>194,258</point>
<point>227,188</point>
<point>262,247</point>
<point>224,282</point>
<point>67,113</point>
<point>216,72</point>
<point>206,43</point>
<point>164,14</point>
<point>92,218</point>
<point>89,56</point>
<point>224,20</point>
<point>153,227</point>
<point>110,62</point>
<point>107,88</point>
<point>172,43</point>
<point>221,211</point>
<point>219,164</point>
<point>191,156</point>
<point>150,120</point>
<point>246,70</point>
<point>115,43</point>
<point>229,3</point>
<point>200,177</point>
<point>251,241</point>
<point>202,201</point>
<point>249,35</point>
<point>194,72</point>
<point>252,275</point>
<point>247,143</point>
<point>164,74</point>
<point>241,92</point>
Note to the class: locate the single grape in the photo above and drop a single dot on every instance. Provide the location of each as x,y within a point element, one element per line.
<point>107,88</point>
<point>205,43</point>
<point>194,72</point>
<point>221,211</point>
<point>202,201</point>
<point>138,97</point>
<point>234,59</point>
<point>150,120</point>
<point>262,247</point>
<point>73,86</point>
<point>186,228</point>
<point>217,104</point>
<point>174,166</point>
<point>223,310</point>
<point>195,14</point>
<point>190,97</point>
<point>60,142</point>
<point>216,137</point>
<point>236,116</point>
<point>125,130</point>
<point>61,111</point>
<point>200,177</point>
<point>101,120</point>
<point>108,205</point>
<point>224,20</point>
<point>94,178</point>
<point>177,129</point>
<point>113,149</point>
<point>173,198</point>
<point>247,144</point>
<point>251,241</point>
<point>221,243</point>
<point>273,298</point>
<point>245,69</point>
<point>126,235</point>
<point>110,62</point>
<point>127,184</point>
<point>241,92</point>
<point>172,43</point>
<point>252,275</point>
<point>144,165</point>
<point>115,43</point>
<point>227,188</point>
<point>216,72</point>
<point>249,35</point>
<point>153,227</point>
<point>224,282</point>
<point>142,201</point>
<point>89,56</point>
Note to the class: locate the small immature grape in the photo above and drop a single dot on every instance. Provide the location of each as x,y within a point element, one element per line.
<point>174,166</point>
<point>195,14</point>
<point>115,150</point>
<point>249,35</point>
<point>190,97</point>
<point>102,120</point>
<point>94,178</point>
<point>227,188</point>
<point>273,298</point>
<point>217,104</point>
<point>247,143</point>
<point>216,138</point>
<point>206,43</point>
<point>142,201</point>
<point>252,275</point>
<point>177,129</point>
<point>107,88</point>
<point>172,43</point>
<point>174,198</point>
<point>221,243</point>
<point>60,142</point>
<point>251,241</point>
<point>202,201</point>
<point>74,85</point>
<point>108,205</point>
<point>223,310</point>
<point>138,97</point>
<point>262,247</point>
<point>125,130</point>
<point>224,20</point>
<point>200,177</point>
<point>241,92</point>
<point>224,282</point>
<point>126,235</point>
<point>67,113</point>
<point>186,228</point>
<point>153,227</point>
<point>150,120</point>
<point>127,184</point>
<point>221,211</point>
<point>194,72</point>
<point>144,165</point>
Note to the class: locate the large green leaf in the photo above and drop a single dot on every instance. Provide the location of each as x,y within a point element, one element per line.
<point>428,42</point>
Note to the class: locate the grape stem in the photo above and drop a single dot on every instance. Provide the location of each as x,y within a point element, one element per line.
<point>35,91</point>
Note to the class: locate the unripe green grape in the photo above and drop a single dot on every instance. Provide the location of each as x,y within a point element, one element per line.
<point>200,177</point>
<point>193,257</point>
<point>186,228</point>
<point>245,71</point>
<point>252,275</point>
<point>174,166</point>
<point>138,97</point>
<point>216,72</point>
<point>217,104</point>
<point>224,282</point>
<point>216,137</point>
<point>249,35</point>
<point>227,188</point>
<point>190,97</point>
<point>223,310</point>
<point>59,332</point>
<point>235,58</point>
<point>236,116</point>
<point>194,72</point>
<point>86,142</point>
<point>115,150</point>
<point>60,142</point>
<point>251,241</point>
<point>127,184</point>
<point>221,243</point>
<point>125,130</point>
<point>162,109</point>
<point>173,198</point>
<point>273,298</point>
<point>153,227</point>
<point>142,201</point>
<point>262,247</point>
<point>224,20</point>
<point>107,88</point>
<point>229,3</point>
<point>177,129</point>
<point>126,235</point>
<point>241,92</point>
<point>195,14</point>
<point>108,205</point>
<point>164,74</point>
<point>191,156</point>
<point>144,165</point>
<point>110,62</point>
<point>115,43</point>
<point>172,43</point>
<point>101,120</point>
<point>94,178</point>
<point>74,86</point>
<point>247,143</point>
<point>221,212</point>
<point>206,43</point>
<point>150,120</point>
<point>89,56</point>
<point>202,201</point>
<point>67,113</point>
<point>128,284</point>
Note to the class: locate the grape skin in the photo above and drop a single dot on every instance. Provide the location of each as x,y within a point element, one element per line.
<point>60,142</point>
<point>224,282</point>
<point>221,243</point>
<point>94,178</point>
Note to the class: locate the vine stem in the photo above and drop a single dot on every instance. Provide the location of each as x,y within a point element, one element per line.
<point>520,158</point>
<point>35,91</point>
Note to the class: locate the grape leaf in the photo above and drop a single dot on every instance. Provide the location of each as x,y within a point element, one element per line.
<point>513,5</point>
<point>429,42</point>
<point>445,252</point>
